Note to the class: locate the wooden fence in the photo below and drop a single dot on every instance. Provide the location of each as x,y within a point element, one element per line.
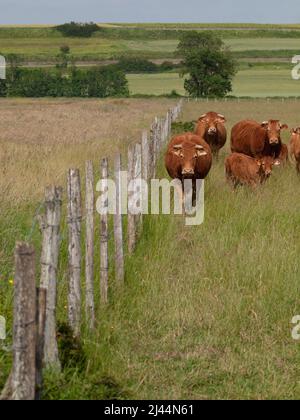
<point>34,327</point>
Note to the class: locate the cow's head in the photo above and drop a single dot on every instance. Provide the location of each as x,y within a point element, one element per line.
<point>273,128</point>
<point>211,121</point>
<point>265,165</point>
<point>296,131</point>
<point>188,154</point>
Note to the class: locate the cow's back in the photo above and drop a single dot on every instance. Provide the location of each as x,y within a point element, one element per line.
<point>248,137</point>
<point>242,168</point>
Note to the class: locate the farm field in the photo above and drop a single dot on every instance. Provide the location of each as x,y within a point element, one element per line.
<point>257,81</point>
<point>206,311</point>
<point>43,48</point>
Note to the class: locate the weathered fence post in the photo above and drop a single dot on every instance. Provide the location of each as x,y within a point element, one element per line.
<point>151,151</point>
<point>138,184</point>
<point>104,240</point>
<point>24,329</point>
<point>40,342</point>
<point>89,245</point>
<point>131,219</point>
<point>118,225</point>
<point>145,156</point>
<point>74,222</point>
<point>50,224</point>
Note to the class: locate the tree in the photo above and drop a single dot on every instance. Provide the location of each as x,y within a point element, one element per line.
<point>63,58</point>
<point>208,63</point>
<point>74,29</point>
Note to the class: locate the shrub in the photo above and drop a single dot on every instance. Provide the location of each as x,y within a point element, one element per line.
<point>83,30</point>
<point>137,65</point>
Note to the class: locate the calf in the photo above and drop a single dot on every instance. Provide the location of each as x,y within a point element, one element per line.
<point>245,170</point>
<point>295,147</point>
<point>257,140</point>
<point>211,128</point>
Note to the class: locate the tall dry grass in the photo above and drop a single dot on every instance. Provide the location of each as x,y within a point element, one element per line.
<point>41,139</point>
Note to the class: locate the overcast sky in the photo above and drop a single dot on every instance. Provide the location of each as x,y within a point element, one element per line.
<point>59,11</point>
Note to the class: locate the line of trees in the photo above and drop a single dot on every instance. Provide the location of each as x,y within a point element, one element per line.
<point>65,80</point>
<point>93,83</point>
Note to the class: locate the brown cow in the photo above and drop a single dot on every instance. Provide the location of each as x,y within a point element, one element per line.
<point>257,140</point>
<point>211,128</point>
<point>245,170</point>
<point>188,157</point>
<point>284,155</point>
<point>295,147</point>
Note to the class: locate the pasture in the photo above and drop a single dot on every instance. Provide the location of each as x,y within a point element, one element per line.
<point>206,311</point>
<point>41,43</point>
<point>257,81</point>
<point>101,48</point>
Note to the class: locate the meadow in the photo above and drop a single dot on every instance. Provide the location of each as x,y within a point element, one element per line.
<point>256,81</point>
<point>102,48</point>
<point>206,311</point>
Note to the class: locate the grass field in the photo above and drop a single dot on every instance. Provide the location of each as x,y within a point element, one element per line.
<point>206,311</point>
<point>46,48</point>
<point>258,81</point>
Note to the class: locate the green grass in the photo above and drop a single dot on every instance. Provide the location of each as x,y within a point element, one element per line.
<point>155,84</point>
<point>206,311</point>
<point>43,43</point>
<point>258,81</point>
<point>265,82</point>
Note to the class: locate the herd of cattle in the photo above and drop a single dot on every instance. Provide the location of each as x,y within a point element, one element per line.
<point>256,149</point>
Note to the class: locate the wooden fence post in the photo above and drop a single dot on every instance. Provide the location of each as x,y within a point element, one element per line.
<point>50,224</point>
<point>145,156</point>
<point>74,222</point>
<point>89,245</point>
<point>104,242</point>
<point>118,225</point>
<point>24,329</point>
<point>138,176</point>
<point>40,342</point>
<point>131,225</point>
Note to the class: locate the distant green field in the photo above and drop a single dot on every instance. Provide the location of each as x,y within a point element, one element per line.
<point>206,25</point>
<point>46,48</point>
<point>254,82</point>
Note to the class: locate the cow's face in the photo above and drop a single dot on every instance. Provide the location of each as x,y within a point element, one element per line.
<point>266,164</point>
<point>188,155</point>
<point>211,123</point>
<point>273,128</point>
<point>296,132</point>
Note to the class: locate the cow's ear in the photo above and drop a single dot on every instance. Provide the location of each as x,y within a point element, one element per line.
<point>221,119</point>
<point>265,124</point>
<point>293,131</point>
<point>277,162</point>
<point>202,117</point>
<point>284,127</point>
